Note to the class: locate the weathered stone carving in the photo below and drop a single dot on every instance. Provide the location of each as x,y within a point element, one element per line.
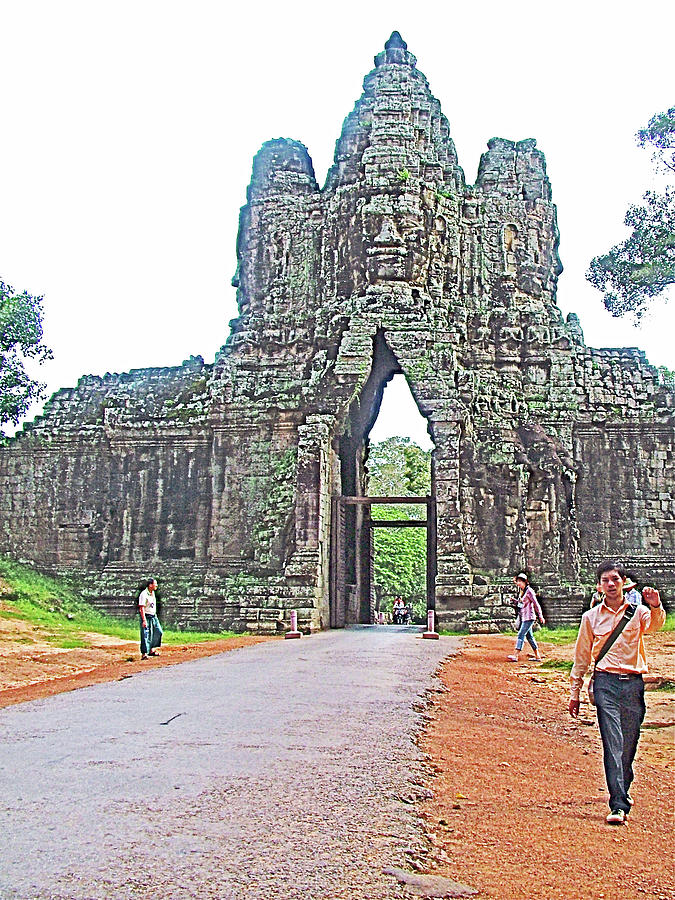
<point>218,479</point>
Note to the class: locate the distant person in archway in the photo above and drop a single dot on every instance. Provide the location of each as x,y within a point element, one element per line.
<point>530,610</point>
<point>151,630</point>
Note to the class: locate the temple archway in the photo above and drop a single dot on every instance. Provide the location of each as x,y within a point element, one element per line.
<point>352,597</point>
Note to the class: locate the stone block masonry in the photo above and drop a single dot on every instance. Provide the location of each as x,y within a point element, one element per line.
<point>219,479</point>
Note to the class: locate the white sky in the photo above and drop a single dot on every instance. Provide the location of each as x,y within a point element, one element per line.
<point>129,128</point>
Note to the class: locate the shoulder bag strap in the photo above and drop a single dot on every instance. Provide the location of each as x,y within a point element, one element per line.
<point>625,619</point>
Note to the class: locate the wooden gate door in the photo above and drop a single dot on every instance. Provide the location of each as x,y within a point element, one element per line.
<point>356,575</point>
<point>338,564</point>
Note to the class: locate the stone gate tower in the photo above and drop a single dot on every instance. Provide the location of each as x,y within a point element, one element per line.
<point>219,479</point>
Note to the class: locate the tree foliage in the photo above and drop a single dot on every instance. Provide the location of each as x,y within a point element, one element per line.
<point>20,341</point>
<point>660,135</point>
<point>642,267</point>
<point>399,468</point>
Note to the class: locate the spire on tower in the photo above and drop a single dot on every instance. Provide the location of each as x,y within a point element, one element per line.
<point>395,41</point>
<point>396,52</point>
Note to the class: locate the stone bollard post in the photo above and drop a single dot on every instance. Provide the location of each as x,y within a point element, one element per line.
<point>430,634</point>
<point>293,633</point>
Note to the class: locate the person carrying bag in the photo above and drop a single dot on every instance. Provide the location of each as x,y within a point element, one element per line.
<point>625,619</point>
<point>617,686</point>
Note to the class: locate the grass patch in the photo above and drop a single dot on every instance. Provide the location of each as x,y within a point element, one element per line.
<point>59,615</point>
<point>11,614</point>
<point>666,686</point>
<point>564,635</point>
<point>563,664</point>
<point>68,643</point>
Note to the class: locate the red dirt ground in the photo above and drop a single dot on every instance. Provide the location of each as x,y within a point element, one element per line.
<point>519,796</point>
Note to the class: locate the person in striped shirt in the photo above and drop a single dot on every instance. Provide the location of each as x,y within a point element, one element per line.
<point>529,611</point>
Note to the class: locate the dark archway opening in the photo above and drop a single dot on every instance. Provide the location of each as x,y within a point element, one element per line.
<point>353,597</point>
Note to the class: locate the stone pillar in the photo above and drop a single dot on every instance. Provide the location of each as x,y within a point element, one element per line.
<point>307,569</point>
<point>312,499</point>
<point>453,579</point>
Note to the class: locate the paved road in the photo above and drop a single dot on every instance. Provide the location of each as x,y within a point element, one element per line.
<point>275,771</point>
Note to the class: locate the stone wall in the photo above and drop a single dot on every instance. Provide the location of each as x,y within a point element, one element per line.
<point>218,479</point>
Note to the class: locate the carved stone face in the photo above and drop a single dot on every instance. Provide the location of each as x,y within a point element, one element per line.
<point>395,242</point>
<point>386,254</point>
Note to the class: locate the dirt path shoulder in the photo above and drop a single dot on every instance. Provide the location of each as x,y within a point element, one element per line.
<point>519,797</point>
<point>32,668</point>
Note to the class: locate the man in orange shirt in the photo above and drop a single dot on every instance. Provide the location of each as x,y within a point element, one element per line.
<point>618,685</point>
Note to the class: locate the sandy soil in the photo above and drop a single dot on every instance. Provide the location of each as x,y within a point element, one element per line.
<point>518,795</point>
<point>31,667</point>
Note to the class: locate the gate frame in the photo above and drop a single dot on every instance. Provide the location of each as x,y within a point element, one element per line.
<point>337,587</point>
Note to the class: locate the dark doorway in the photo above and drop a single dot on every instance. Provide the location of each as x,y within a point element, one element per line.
<point>351,576</point>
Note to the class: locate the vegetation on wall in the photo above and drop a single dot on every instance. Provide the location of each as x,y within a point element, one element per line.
<point>275,515</point>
